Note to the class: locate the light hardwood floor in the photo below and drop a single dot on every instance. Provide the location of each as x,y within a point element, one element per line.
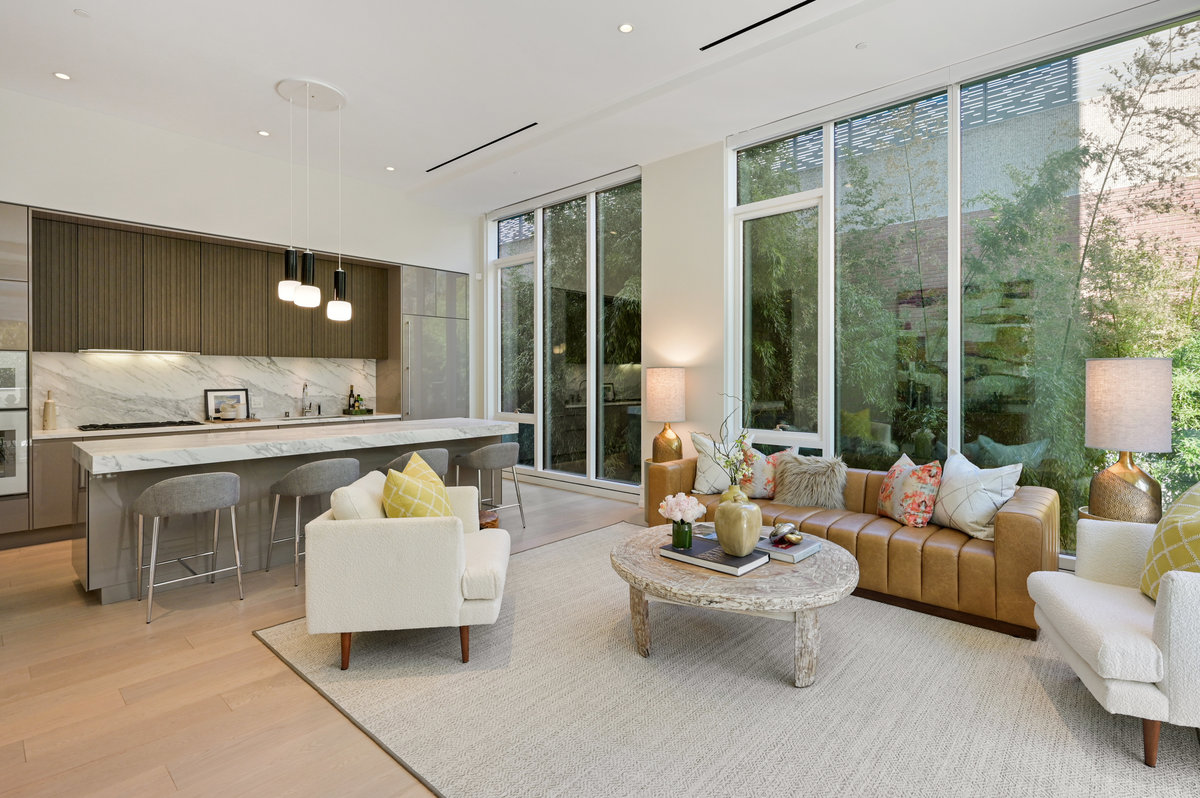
<point>93,701</point>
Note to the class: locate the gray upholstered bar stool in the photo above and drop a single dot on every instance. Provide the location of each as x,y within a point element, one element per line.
<point>437,459</point>
<point>494,457</point>
<point>196,493</point>
<point>310,479</point>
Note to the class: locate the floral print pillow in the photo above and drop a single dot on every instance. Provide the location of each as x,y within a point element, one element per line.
<point>760,483</point>
<point>909,490</point>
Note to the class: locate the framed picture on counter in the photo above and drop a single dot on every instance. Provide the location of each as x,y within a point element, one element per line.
<point>215,397</point>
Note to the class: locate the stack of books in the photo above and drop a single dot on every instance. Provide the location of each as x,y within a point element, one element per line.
<point>780,550</point>
<point>708,554</point>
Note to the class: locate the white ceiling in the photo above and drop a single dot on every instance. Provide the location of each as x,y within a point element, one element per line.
<point>427,81</point>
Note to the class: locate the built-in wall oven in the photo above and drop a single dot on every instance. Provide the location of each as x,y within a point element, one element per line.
<point>14,423</point>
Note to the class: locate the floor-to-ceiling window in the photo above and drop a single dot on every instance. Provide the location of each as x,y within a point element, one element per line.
<point>988,240</point>
<point>566,278</point>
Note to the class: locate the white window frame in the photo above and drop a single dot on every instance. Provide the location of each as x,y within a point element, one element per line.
<point>590,481</point>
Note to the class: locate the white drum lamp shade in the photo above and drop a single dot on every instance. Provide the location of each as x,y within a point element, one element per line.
<point>665,401</point>
<point>1128,409</point>
<point>1129,404</point>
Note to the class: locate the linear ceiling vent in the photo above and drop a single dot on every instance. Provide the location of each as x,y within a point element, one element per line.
<point>749,28</point>
<point>481,146</point>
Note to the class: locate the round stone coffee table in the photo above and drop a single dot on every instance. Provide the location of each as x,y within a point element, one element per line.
<point>782,590</point>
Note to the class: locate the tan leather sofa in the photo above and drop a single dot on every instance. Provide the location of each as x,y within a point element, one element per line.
<point>931,569</point>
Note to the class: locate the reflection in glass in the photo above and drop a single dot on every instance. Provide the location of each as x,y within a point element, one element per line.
<point>514,235</point>
<point>564,356</point>
<point>778,168</point>
<point>516,338</point>
<point>890,276</point>
<point>619,322</point>
<point>780,272</point>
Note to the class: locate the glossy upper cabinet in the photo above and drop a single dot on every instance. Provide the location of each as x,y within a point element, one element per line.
<point>171,294</point>
<point>433,292</point>
<point>14,277</point>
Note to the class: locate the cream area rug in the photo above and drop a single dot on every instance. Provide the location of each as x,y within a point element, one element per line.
<point>556,701</point>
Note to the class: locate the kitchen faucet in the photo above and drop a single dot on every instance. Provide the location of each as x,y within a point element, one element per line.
<point>306,408</point>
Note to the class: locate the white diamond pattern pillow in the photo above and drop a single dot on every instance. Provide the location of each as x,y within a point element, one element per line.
<point>710,477</point>
<point>970,496</point>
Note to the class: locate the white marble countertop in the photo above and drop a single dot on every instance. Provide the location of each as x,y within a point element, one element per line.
<point>210,426</point>
<point>113,456</point>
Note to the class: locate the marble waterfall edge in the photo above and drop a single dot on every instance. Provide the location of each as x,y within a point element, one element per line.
<point>94,388</point>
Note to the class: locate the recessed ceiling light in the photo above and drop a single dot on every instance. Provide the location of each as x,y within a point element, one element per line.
<point>390,168</point>
<point>264,132</point>
<point>62,76</point>
<point>861,46</point>
<point>626,28</point>
<point>82,12</point>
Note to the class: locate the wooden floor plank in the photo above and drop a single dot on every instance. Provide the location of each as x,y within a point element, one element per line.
<point>93,701</point>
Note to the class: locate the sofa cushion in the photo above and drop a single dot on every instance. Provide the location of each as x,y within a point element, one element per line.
<point>969,496</point>
<point>908,491</point>
<point>803,481</point>
<point>360,499</point>
<point>760,484</point>
<point>1176,543</point>
<point>1109,626</point>
<point>406,496</point>
<point>487,564</point>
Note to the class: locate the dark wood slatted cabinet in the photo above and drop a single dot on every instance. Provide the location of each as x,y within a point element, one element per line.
<point>368,294</point>
<point>171,298</point>
<point>110,289</point>
<point>55,283</point>
<point>235,289</point>
<point>291,326</point>
<point>330,338</point>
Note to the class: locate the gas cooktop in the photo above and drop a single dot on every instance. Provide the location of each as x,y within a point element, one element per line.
<point>139,425</point>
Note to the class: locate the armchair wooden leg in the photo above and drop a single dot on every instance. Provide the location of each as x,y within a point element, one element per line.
<point>1150,732</point>
<point>464,639</point>
<point>345,650</point>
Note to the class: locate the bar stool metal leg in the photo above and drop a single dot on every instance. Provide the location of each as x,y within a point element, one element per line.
<point>140,556</point>
<point>271,545</point>
<point>237,549</point>
<point>153,563</point>
<point>296,547</point>
<point>212,561</point>
<point>517,485</point>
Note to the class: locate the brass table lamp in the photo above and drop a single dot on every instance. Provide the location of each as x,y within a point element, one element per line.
<point>1128,410</point>
<point>665,402</point>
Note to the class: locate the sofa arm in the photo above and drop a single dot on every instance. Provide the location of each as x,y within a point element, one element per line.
<point>383,573</point>
<point>1026,541</point>
<point>1177,634</point>
<point>464,500</point>
<point>667,479</point>
<point>1112,551</point>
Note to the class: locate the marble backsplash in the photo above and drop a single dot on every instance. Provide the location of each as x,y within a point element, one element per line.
<point>93,388</point>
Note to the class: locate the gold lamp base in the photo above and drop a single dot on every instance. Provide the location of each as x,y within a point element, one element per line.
<point>667,445</point>
<point>1124,492</point>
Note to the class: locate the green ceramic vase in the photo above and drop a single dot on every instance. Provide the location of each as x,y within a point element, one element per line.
<point>681,534</point>
<point>738,522</point>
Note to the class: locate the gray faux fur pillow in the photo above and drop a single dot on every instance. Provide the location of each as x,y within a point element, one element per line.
<point>811,481</point>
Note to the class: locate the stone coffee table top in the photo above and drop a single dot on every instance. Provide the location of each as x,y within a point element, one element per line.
<point>817,581</point>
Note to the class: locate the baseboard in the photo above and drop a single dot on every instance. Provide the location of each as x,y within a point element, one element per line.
<point>34,537</point>
<point>1004,627</point>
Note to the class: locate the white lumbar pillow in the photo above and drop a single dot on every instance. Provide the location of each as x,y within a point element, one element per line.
<point>362,498</point>
<point>710,477</point>
<point>969,496</point>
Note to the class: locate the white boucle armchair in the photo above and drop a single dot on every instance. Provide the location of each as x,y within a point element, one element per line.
<point>1136,657</point>
<point>366,572</point>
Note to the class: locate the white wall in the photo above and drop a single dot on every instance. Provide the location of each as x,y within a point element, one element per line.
<point>63,158</point>
<point>683,279</point>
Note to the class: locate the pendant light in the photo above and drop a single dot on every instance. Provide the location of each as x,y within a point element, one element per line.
<point>286,288</point>
<point>338,309</point>
<point>308,295</point>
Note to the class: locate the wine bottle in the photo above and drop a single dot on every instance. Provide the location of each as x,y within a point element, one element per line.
<point>350,401</point>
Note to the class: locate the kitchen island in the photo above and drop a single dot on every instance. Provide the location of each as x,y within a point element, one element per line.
<point>116,471</point>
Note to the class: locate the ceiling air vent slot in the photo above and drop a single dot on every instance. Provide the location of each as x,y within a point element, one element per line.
<point>749,28</point>
<point>490,143</point>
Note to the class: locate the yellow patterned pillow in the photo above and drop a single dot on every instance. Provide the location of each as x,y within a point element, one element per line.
<point>1176,544</point>
<point>417,492</point>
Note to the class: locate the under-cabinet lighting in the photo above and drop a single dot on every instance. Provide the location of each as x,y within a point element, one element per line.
<point>135,352</point>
